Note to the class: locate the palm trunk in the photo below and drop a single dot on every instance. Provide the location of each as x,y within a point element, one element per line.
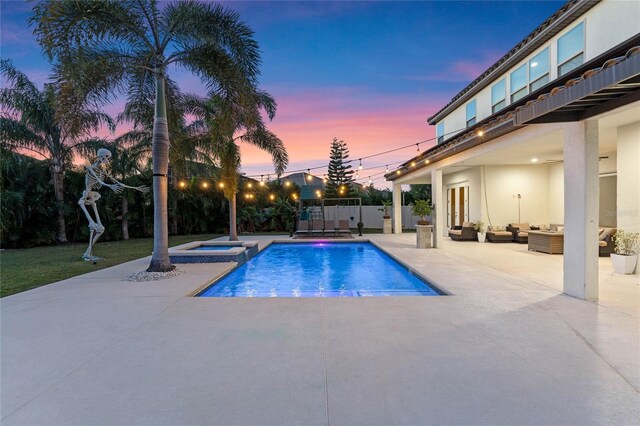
<point>125,221</point>
<point>233,228</point>
<point>160,154</point>
<point>58,189</point>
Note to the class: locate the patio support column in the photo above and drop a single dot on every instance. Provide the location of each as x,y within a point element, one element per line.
<point>397,208</point>
<point>581,198</point>
<point>436,194</point>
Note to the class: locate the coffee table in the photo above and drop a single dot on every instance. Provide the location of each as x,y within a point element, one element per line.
<point>546,242</point>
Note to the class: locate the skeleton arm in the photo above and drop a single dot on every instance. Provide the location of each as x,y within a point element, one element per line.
<point>140,188</point>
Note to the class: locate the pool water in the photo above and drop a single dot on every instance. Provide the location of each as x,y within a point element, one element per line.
<point>320,270</point>
<point>215,247</point>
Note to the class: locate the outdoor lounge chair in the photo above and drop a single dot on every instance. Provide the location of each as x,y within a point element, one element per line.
<point>343,227</point>
<point>605,243</point>
<point>317,227</point>
<point>496,234</point>
<point>303,227</point>
<point>466,232</point>
<point>520,232</point>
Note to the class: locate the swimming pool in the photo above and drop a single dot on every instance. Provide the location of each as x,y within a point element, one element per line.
<point>320,270</point>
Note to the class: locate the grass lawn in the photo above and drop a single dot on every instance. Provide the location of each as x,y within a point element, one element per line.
<point>24,269</point>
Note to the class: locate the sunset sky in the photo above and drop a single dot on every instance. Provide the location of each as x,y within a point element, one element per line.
<point>366,72</point>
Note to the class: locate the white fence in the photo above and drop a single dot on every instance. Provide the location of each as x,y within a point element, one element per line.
<point>371,216</point>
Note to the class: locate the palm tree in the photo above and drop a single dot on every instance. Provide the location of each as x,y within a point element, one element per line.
<point>34,120</point>
<point>109,47</point>
<point>229,121</point>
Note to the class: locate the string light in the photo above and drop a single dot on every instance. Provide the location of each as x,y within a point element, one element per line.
<point>357,175</point>
<point>221,184</point>
<point>479,133</point>
<point>272,197</point>
<point>249,185</point>
<point>205,184</point>
<point>262,183</point>
<point>324,179</point>
<point>387,169</point>
<point>360,166</point>
<point>287,184</point>
<point>309,177</point>
<point>318,194</point>
<point>294,196</point>
<point>370,180</point>
<point>418,146</point>
<point>182,184</point>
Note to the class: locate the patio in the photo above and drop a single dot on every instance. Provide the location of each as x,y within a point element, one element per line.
<point>505,347</point>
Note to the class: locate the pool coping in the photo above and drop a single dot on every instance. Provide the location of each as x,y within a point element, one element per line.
<point>428,282</point>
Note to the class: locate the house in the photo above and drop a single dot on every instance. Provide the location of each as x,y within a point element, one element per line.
<point>548,134</point>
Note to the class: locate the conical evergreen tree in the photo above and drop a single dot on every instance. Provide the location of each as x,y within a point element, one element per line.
<point>339,175</point>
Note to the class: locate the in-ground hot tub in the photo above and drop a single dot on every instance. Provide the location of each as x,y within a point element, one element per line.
<point>214,252</point>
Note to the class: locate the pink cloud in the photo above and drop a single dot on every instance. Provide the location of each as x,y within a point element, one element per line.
<point>307,123</point>
<point>462,70</point>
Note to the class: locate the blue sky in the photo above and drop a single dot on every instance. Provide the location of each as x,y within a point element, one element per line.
<point>366,72</point>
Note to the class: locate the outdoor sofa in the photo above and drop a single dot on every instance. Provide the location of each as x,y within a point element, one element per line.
<point>498,234</point>
<point>466,232</point>
<point>520,232</point>
<point>605,242</point>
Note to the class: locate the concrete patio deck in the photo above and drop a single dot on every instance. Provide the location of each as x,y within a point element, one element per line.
<point>505,348</point>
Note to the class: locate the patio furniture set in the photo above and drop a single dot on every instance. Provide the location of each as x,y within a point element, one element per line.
<point>544,238</point>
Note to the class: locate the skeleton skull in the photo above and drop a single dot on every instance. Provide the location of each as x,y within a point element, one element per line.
<point>104,156</point>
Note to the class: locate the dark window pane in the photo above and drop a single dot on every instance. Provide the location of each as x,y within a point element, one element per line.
<point>539,83</point>
<point>519,94</point>
<point>571,64</point>
<point>497,107</point>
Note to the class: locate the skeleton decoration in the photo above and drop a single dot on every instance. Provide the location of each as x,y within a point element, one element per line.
<point>95,178</point>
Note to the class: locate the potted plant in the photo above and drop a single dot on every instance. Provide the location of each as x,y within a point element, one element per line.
<point>625,256</point>
<point>479,227</point>
<point>422,209</point>
<point>386,206</point>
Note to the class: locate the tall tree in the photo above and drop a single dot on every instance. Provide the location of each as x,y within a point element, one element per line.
<point>37,121</point>
<point>339,174</point>
<point>229,121</point>
<point>109,47</point>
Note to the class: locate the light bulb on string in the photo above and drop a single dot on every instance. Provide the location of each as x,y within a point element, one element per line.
<point>418,146</point>
<point>387,169</point>
<point>360,165</point>
<point>370,180</point>
<point>309,177</point>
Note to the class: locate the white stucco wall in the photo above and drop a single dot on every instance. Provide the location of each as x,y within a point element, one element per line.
<point>556,193</point>
<point>504,183</point>
<point>608,196</point>
<point>607,24</point>
<point>628,182</point>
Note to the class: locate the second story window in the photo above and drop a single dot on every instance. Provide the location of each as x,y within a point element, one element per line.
<point>498,96</point>
<point>571,49</point>
<point>539,70</point>
<point>519,83</point>
<point>440,132</point>
<point>471,113</point>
